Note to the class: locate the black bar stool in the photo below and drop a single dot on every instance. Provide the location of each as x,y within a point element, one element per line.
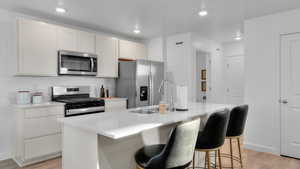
<point>235,130</point>
<point>176,154</point>
<point>212,137</point>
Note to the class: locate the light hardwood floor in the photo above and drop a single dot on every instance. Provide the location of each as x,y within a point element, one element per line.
<point>252,160</point>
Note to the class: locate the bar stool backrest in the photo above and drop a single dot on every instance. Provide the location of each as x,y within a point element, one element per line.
<point>178,152</point>
<point>237,121</point>
<point>214,132</point>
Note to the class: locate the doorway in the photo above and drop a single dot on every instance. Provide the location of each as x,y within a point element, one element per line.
<point>290,95</point>
<point>234,75</point>
<point>203,72</point>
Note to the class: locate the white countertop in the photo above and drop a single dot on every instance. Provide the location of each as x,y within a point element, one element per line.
<point>44,104</point>
<point>117,125</point>
<point>114,99</point>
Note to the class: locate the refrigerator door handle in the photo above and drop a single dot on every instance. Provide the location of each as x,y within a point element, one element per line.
<point>150,90</point>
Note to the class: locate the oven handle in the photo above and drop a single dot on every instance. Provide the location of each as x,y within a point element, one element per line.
<point>85,110</point>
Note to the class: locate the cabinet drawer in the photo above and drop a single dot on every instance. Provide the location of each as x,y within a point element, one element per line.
<point>36,127</point>
<point>44,111</point>
<point>42,146</point>
<point>115,105</point>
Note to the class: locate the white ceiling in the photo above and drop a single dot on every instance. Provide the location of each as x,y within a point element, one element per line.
<point>153,17</point>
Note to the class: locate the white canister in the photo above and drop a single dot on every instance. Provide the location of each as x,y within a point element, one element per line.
<point>37,98</point>
<point>182,98</point>
<point>23,97</point>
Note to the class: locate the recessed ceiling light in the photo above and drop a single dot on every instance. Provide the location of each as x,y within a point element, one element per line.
<point>136,31</point>
<point>238,37</point>
<point>203,12</point>
<point>114,38</point>
<point>60,10</point>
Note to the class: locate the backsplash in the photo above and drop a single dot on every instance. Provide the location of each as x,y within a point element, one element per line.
<point>43,84</point>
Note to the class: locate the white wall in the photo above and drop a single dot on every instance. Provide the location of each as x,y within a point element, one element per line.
<point>233,48</point>
<point>155,49</point>
<point>9,84</point>
<point>233,53</point>
<point>201,63</point>
<point>217,88</point>
<point>181,62</point>
<point>262,46</point>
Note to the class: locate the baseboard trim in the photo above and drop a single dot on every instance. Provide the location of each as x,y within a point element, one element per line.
<point>261,148</point>
<point>5,156</point>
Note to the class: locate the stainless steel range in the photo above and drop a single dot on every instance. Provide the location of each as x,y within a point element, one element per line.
<point>77,99</point>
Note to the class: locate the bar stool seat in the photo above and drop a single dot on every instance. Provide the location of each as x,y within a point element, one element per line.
<point>176,154</point>
<point>143,155</point>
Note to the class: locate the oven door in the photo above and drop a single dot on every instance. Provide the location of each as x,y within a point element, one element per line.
<point>84,111</point>
<point>76,63</point>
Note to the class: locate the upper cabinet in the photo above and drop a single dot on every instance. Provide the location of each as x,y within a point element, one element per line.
<point>37,48</point>
<point>155,49</point>
<point>107,51</point>
<point>75,40</point>
<point>67,39</point>
<point>39,43</point>
<point>141,51</point>
<point>86,42</point>
<point>132,50</point>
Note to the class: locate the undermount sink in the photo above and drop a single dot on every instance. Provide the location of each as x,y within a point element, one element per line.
<point>145,110</point>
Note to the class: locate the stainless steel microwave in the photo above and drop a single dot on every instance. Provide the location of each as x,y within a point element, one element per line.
<point>77,63</point>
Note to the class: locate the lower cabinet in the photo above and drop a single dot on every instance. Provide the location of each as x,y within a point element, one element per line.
<point>113,105</point>
<point>38,133</point>
<point>41,146</point>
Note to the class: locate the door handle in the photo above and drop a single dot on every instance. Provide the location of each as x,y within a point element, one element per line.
<point>283,101</point>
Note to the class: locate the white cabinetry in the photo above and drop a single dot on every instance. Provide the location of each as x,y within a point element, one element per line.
<point>132,50</point>
<point>86,42</point>
<point>107,51</point>
<point>37,48</point>
<point>140,51</point>
<point>115,104</point>
<point>38,133</point>
<point>67,39</point>
<point>75,40</point>
<point>155,49</point>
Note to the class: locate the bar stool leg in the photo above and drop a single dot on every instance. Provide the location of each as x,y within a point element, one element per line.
<point>216,152</point>
<point>208,160</point>
<point>231,153</point>
<point>194,160</point>
<point>240,152</point>
<point>220,161</point>
<point>205,162</point>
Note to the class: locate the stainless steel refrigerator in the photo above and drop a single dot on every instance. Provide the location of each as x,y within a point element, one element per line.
<point>139,81</point>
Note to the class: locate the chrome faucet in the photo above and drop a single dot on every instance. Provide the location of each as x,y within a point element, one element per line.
<point>171,104</point>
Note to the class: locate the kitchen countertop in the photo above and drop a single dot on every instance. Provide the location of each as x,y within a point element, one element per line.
<point>116,125</point>
<point>114,99</point>
<point>44,104</point>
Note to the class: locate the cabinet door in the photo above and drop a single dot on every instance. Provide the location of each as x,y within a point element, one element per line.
<point>140,51</point>
<point>86,42</point>
<point>37,48</point>
<point>42,146</point>
<point>67,39</point>
<point>107,51</point>
<point>127,49</point>
<point>115,106</point>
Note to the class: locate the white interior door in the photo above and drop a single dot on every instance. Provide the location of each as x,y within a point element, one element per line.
<point>290,95</point>
<point>234,80</point>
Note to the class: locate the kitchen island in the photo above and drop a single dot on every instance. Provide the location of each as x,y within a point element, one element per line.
<point>110,140</point>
